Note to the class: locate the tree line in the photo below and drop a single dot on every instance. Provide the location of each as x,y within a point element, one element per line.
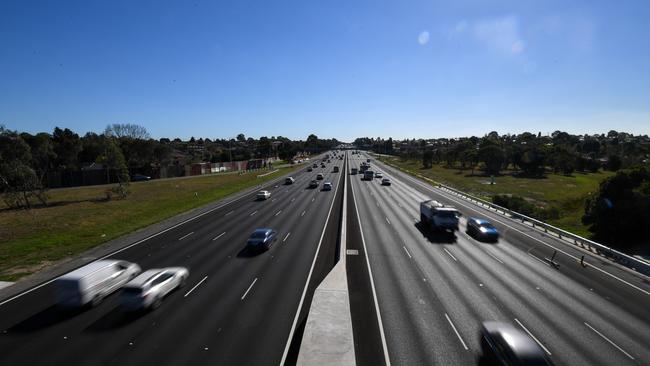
<point>27,159</point>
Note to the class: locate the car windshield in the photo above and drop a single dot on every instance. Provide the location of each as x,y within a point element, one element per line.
<point>259,235</point>
<point>487,225</point>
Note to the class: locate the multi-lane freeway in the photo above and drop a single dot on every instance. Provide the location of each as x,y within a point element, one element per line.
<point>237,308</point>
<point>417,298</point>
<point>433,291</point>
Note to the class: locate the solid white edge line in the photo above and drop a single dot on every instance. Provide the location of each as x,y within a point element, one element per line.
<point>445,194</point>
<point>372,283</point>
<point>249,288</point>
<point>533,337</point>
<point>253,191</point>
<point>218,236</point>
<point>407,252</point>
<point>456,331</point>
<point>608,340</point>
<point>195,286</point>
<point>494,256</point>
<point>185,236</point>
<point>451,255</point>
<point>311,270</point>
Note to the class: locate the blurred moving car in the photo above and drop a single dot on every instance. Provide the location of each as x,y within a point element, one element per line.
<point>310,169</point>
<point>336,169</point>
<point>379,175</point>
<point>503,344</point>
<point>263,195</point>
<point>289,180</point>
<point>385,182</point>
<point>482,229</point>
<point>90,284</point>
<point>313,184</point>
<point>320,176</point>
<point>261,239</point>
<point>149,289</point>
<point>140,178</point>
<point>327,186</point>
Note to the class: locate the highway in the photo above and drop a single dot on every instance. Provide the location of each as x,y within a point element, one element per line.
<point>238,308</point>
<point>432,292</point>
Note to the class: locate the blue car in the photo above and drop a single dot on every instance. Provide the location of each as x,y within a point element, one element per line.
<point>482,229</point>
<point>261,239</point>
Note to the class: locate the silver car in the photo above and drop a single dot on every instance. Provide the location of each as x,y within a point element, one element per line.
<point>149,289</point>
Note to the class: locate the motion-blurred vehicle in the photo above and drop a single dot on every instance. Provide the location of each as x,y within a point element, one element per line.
<point>436,216</point>
<point>367,160</point>
<point>327,186</point>
<point>310,169</point>
<point>320,176</point>
<point>336,169</point>
<point>482,229</point>
<point>148,290</point>
<point>313,184</point>
<point>379,175</point>
<point>263,195</point>
<point>385,182</point>
<point>368,175</point>
<point>315,165</point>
<point>90,284</point>
<point>261,239</point>
<point>354,171</point>
<point>289,180</point>
<point>140,178</point>
<point>503,344</point>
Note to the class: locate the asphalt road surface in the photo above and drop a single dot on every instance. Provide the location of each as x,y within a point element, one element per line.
<point>238,308</point>
<point>433,291</point>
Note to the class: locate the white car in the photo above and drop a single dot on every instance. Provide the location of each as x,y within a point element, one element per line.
<point>320,176</point>
<point>289,180</point>
<point>263,195</point>
<point>149,289</point>
<point>90,284</point>
<point>379,175</point>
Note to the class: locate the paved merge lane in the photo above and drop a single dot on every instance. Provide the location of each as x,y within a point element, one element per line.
<point>433,291</point>
<point>232,299</point>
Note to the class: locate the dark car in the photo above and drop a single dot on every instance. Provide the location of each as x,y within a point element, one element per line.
<point>482,229</point>
<point>140,178</point>
<point>261,239</point>
<point>310,169</point>
<point>503,344</point>
<point>313,184</point>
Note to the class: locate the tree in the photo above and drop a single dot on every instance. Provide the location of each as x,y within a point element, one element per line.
<point>618,213</point>
<point>241,137</point>
<point>614,162</point>
<point>427,159</point>
<point>129,130</point>
<point>18,181</point>
<point>114,160</point>
<point>67,146</point>
<point>493,158</point>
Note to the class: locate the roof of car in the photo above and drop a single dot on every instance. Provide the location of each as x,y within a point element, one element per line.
<point>518,341</point>
<point>479,221</point>
<point>145,277</point>
<point>263,229</point>
<point>90,268</point>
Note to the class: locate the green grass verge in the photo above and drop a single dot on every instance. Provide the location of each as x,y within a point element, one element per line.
<point>566,193</point>
<point>80,218</point>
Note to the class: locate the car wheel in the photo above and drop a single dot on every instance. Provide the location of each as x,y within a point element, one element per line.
<point>96,300</point>
<point>156,303</point>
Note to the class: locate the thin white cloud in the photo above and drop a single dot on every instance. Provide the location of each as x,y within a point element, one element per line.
<point>423,38</point>
<point>501,34</point>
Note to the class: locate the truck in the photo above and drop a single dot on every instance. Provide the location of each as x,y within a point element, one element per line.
<point>368,175</point>
<point>437,216</point>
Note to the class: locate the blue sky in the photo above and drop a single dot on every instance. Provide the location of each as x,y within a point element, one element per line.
<point>336,68</point>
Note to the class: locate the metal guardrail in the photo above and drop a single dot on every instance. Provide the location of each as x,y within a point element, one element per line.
<point>612,254</point>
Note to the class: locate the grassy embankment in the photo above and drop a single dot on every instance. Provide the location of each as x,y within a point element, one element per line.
<point>78,219</point>
<point>566,193</point>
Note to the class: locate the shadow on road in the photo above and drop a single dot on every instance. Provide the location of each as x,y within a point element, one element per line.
<point>248,252</point>
<point>50,316</point>
<point>436,237</point>
<point>116,318</point>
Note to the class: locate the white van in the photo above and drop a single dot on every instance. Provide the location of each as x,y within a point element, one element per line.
<point>91,283</point>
